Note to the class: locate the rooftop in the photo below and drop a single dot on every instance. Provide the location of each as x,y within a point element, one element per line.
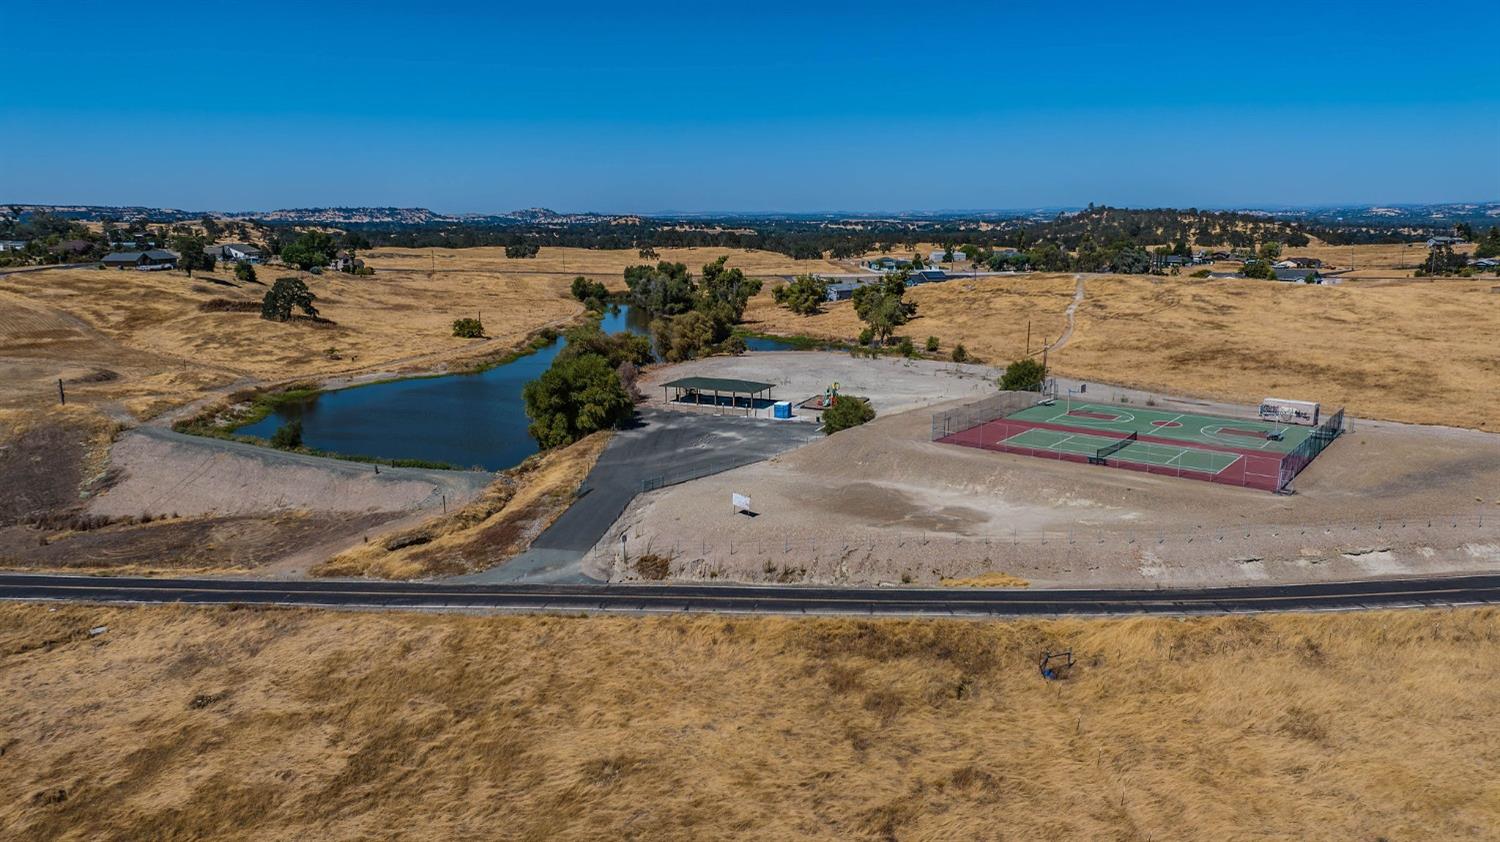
<point>720,384</point>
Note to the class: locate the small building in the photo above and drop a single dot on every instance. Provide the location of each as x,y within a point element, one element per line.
<point>887,264</point>
<point>146,261</point>
<point>1299,263</point>
<point>345,261</point>
<point>12,245</point>
<point>940,256</point>
<point>237,253</point>
<point>842,291</point>
<point>1434,242</point>
<point>73,247</point>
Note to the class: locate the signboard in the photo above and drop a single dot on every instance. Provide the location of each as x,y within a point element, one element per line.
<point>1283,411</point>
<point>741,502</point>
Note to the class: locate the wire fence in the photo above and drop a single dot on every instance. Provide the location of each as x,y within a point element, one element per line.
<point>776,557</point>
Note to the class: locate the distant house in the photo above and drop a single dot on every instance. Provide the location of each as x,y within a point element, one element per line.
<point>1434,242</point>
<point>1297,275</point>
<point>143,260</point>
<point>12,245</point>
<point>237,253</point>
<point>843,291</point>
<point>887,264</point>
<point>1486,263</point>
<point>1299,263</point>
<point>940,256</point>
<point>926,276</point>
<point>73,246</point>
<point>1177,260</point>
<point>346,262</point>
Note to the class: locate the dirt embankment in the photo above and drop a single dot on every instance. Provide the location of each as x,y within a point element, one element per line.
<point>218,724</point>
<point>500,523</point>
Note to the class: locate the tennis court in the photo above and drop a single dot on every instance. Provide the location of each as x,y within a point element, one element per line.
<point>1248,452</point>
<point>1189,428</point>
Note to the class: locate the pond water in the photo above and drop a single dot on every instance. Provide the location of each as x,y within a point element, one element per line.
<point>465,420</point>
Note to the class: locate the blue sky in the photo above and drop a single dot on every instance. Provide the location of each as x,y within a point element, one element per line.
<point>469,106</point>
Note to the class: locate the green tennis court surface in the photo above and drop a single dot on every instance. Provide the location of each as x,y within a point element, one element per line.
<point>1189,428</point>
<point>1140,452</point>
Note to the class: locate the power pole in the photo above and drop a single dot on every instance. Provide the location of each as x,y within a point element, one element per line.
<point>61,397</point>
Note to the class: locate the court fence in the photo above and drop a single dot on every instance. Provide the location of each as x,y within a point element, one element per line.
<point>984,425</point>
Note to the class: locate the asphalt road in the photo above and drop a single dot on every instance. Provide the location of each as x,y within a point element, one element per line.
<point>740,599</point>
<point>661,447</point>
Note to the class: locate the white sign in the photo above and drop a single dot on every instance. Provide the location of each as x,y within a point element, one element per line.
<point>1289,412</point>
<point>741,502</point>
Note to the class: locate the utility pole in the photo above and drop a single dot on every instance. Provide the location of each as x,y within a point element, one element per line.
<point>1028,337</point>
<point>61,397</point>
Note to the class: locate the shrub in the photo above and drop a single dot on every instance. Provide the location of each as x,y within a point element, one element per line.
<point>589,292</point>
<point>468,328</point>
<point>847,411</point>
<point>653,566</point>
<point>932,344</point>
<point>1201,273</point>
<point>960,353</point>
<point>1023,376</point>
<point>520,250</point>
<point>866,336</point>
<point>288,436</point>
<point>906,347</point>
<point>244,272</point>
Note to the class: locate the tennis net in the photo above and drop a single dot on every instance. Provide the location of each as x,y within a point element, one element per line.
<point>1111,449</point>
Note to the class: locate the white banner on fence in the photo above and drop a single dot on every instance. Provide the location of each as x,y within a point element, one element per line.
<point>741,502</point>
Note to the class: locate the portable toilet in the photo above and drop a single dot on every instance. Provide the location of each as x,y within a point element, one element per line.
<point>782,409</point>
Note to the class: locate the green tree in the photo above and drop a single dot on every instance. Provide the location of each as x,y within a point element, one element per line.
<point>468,328</point>
<point>1270,250</point>
<point>522,250</point>
<point>847,411</point>
<point>647,253</point>
<point>883,305</point>
<point>932,344</point>
<point>1024,375</point>
<point>665,289</point>
<point>1260,269</point>
<point>288,436</point>
<point>311,248</point>
<point>683,337</point>
<point>804,295</point>
<point>960,353</point>
<point>244,273</point>
<point>574,397</point>
<point>193,253</point>
<point>284,296</point>
<point>1490,245</point>
<point>591,293</point>
<point>617,349</point>
<point>721,285</point>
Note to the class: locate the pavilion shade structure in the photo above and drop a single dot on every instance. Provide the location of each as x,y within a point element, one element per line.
<point>697,391</point>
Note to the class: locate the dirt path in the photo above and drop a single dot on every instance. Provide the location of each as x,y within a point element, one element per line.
<point>1071,313</point>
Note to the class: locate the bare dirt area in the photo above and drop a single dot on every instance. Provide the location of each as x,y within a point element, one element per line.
<point>883,504</point>
<point>219,724</point>
<point>891,384</point>
<point>1421,352</point>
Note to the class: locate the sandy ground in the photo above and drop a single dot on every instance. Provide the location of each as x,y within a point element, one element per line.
<point>223,724</point>
<point>891,384</point>
<point>881,503</point>
<point>163,472</point>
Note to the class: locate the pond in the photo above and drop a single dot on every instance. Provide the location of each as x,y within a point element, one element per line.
<point>465,420</point>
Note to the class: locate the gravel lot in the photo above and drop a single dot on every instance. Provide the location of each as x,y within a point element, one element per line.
<point>881,503</point>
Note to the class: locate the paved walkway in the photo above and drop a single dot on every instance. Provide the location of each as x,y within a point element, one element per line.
<point>662,448</point>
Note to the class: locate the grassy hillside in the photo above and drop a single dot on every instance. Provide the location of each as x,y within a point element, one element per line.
<point>248,724</point>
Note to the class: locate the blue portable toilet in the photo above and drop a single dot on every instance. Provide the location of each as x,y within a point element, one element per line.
<point>782,409</point>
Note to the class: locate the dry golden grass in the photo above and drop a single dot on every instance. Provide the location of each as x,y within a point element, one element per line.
<point>498,525</point>
<point>147,332</point>
<point>987,580</point>
<point>211,724</point>
<point>988,315</point>
<point>1416,352</point>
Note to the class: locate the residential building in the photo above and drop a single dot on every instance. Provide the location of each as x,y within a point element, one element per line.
<point>145,261</point>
